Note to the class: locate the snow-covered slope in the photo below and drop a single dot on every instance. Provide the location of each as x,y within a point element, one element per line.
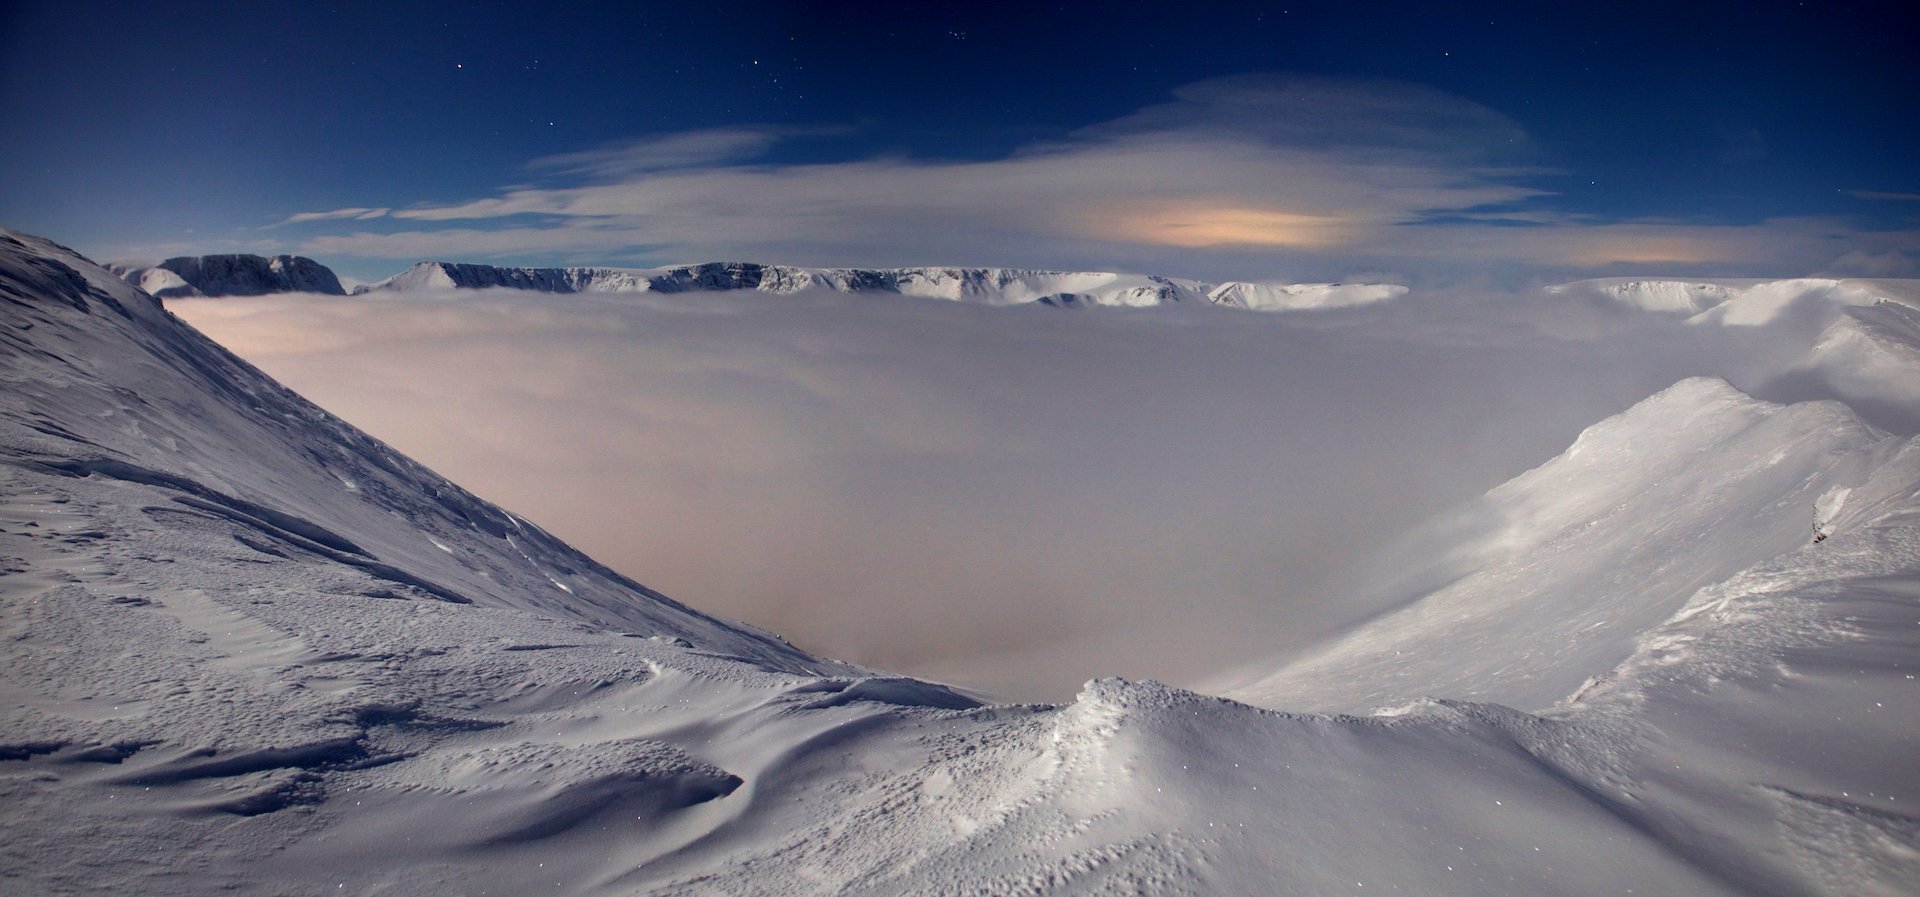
<point>990,286</point>
<point>207,438</point>
<point>251,650</point>
<point>1546,581</point>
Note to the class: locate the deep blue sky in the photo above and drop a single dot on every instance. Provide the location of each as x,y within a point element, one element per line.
<point>150,128</point>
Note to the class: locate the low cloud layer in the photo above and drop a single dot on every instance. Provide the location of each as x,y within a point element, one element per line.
<point>1016,499</point>
<point>1254,176</point>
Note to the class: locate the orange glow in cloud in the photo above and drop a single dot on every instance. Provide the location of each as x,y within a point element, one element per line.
<point>1204,226</point>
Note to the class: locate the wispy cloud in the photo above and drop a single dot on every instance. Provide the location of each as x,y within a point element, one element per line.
<point>355,214</point>
<point>1883,196</point>
<point>690,149</point>
<point>1306,175</point>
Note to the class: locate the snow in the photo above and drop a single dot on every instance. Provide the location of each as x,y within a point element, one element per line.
<point>225,672</point>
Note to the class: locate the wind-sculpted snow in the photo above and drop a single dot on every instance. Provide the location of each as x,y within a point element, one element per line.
<point>208,685</point>
<point>230,275</point>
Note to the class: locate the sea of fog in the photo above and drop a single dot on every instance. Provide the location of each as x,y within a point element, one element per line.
<point>1009,499</point>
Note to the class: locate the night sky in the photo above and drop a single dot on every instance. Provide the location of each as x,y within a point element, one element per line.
<point>1298,140</point>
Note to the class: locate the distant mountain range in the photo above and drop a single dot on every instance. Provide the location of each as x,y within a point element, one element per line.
<point>252,275</point>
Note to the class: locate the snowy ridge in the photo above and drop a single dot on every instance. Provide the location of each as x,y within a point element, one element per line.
<point>230,275</point>
<point>238,628</point>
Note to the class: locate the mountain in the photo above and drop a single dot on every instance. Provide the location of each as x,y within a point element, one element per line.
<point>230,275</point>
<point>251,649</point>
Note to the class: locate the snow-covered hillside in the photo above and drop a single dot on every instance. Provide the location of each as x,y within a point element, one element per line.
<point>1547,580</point>
<point>206,432</point>
<point>230,275</point>
<point>251,649</point>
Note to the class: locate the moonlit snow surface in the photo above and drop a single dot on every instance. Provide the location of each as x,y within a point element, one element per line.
<point>251,649</point>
